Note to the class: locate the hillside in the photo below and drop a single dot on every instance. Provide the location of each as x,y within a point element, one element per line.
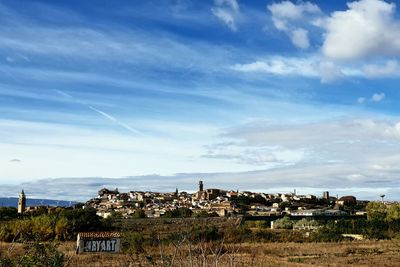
<point>13,202</point>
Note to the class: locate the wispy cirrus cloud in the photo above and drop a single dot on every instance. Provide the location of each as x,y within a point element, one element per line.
<point>281,66</point>
<point>227,11</point>
<point>315,66</point>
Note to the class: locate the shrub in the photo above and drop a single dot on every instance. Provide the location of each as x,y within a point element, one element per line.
<point>132,242</point>
<point>283,223</point>
<point>139,213</point>
<point>38,255</point>
<point>326,234</point>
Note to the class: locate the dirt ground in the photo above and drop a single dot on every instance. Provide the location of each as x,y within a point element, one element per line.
<point>352,253</point>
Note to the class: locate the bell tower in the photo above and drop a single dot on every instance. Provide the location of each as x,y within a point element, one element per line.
<point>200,186</point>
<point>21,202</point>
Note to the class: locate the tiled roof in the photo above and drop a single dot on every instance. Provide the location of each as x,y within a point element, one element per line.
<point>87,235</point>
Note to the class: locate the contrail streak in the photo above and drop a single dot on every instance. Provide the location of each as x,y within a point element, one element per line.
<point>102,113</point>
<point>63,94</point>
<point>108,116</point>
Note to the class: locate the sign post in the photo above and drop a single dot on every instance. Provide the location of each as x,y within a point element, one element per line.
<point>108,242</point>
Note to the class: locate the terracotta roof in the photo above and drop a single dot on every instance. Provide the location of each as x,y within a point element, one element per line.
<point>348,198</point>
<point>87,235</point>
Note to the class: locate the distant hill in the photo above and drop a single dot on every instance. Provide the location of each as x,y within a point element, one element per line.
<point>13,202</point>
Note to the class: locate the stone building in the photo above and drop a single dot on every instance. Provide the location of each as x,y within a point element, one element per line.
<point>22,202</point>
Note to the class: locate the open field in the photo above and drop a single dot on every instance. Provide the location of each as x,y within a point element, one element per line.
<point>354,253</point>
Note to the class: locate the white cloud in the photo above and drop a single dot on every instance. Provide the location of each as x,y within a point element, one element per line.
<point>227,11</point>
<point>314,66</point>
<point>378,97</point>
<point>281,66</point>
<point>329,72</point>
<point>62,150</point>
<point>289,11</point>
<point>393,131</point>
<point>320,153</point>
<point>316,134</point>
<point>310,67</point>
<point>233,4</point>
<point>361,100</point>
<point>300,38</point>
<point>368,28</point>
<point>389,69</point>
<point>286,16</point>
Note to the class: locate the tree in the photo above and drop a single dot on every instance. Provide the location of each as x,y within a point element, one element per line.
<point>62,229</point>
<point>376,211</point>
<point>306,223</point>
<point>139,213</point>
<point>393,213</point>
<point>178,213</point>
<point>8,213</point>
<point>283,223</point>
<point>83,219</point>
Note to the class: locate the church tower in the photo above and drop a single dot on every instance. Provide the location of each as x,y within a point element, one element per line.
<point>200,186</point>
<point>22,202</point>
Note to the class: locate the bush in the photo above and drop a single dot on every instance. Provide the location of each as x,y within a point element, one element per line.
<point>208,233</point>
<point>8,213</point>
<point>132,242</point>
<point>38,255</point>
<point>326,234</point>
<point>306,223</point>
<point>178,213</point>
<point>283,223</point>
<point>139,213</point>
<point>376,229</point>
<point>205,214</point>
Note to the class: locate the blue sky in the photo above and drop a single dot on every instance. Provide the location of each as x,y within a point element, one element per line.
<point>263,95</point>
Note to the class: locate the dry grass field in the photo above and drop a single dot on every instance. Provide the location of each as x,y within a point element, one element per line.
<point>351,253</point>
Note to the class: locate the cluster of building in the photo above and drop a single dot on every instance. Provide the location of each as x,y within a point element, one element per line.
<point>216,202</point>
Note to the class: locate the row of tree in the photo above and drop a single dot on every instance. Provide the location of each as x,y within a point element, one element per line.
<point>63,224</point>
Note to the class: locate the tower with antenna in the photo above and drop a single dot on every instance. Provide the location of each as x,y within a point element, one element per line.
<point>22,202</point>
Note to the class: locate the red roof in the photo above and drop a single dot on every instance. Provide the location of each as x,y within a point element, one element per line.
<point>90,235</point>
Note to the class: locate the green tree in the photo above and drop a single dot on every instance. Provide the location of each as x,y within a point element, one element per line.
<point>307,223</point>
<point>139,213</point>
<point>8,213</point>
<point>178,213</point>
<point>393,213</point>
<point>43,227</point>
<point>283,223</point>
<point>376,211</point>
<point>82,219</point>
<point>62,229</point>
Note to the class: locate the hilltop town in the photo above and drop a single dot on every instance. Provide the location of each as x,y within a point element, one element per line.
<point>218,202</point>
